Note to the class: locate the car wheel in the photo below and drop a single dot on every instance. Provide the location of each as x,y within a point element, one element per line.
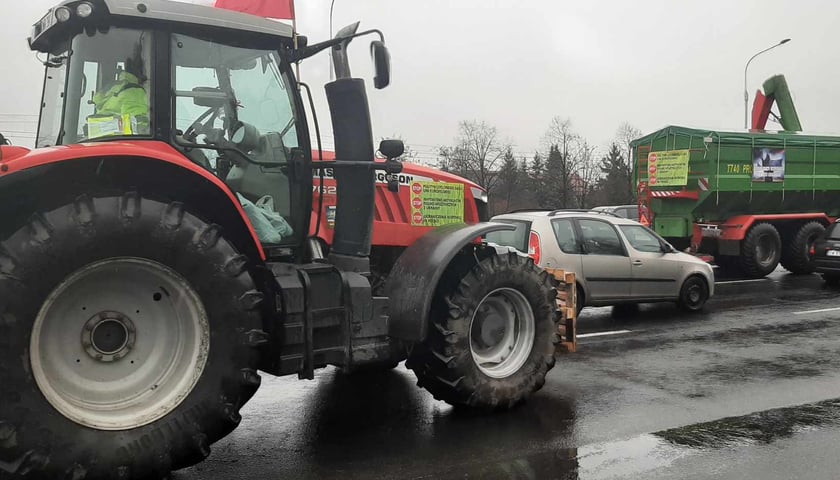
<point>831,280</point>
<point>693,294</point>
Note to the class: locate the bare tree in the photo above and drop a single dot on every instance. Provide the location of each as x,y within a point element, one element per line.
<point>563,160</point>
<point>624,136</point>
<point>587,175</point>
<point>477,154</point>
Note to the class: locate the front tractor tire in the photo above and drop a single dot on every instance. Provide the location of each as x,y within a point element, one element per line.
<point>128,330</point>
<point>493,332</point>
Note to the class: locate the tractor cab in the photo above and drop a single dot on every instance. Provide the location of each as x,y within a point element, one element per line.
<point>153,253</point>
<point>216,89</point>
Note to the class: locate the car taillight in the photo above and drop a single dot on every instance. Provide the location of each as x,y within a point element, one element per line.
<point>812,251</point>
<point>534,248</point>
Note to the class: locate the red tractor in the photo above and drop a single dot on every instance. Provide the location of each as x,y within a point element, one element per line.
<point>155,248</point>
<point>396,223</point>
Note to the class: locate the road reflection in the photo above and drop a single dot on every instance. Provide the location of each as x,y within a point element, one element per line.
<point>385,419</point>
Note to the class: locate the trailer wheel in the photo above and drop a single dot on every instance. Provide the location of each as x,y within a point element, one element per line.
<point>796,255</point>
<point>492,336</point>
<point>761,250</point>
<point>127,340</point>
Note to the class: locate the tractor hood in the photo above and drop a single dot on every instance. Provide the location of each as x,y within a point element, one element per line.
<point>414,169</point>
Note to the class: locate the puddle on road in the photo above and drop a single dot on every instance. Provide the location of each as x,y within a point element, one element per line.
<point>648,453</point>
<point>760,427</point>
<point>627,458</point>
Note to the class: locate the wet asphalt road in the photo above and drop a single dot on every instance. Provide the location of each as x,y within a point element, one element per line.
<point>747,389</point>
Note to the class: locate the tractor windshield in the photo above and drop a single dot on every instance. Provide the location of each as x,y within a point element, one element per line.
<point>98,87</point>
<point>219,88</point>
<point>235,115</point>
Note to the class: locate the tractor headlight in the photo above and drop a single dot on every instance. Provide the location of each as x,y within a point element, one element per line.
<point>84,9</point>
<point>479,194</point>
<point>62,14</point>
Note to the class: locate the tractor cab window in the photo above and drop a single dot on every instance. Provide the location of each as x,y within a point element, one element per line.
<point>106,92</point>
<point>235,115</point>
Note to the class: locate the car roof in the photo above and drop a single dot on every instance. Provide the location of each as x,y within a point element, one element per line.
<point>537,214</point>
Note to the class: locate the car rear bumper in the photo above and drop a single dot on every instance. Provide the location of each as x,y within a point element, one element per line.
<point>824,265</point>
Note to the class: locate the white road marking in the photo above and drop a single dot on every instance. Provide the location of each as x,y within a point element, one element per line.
<point>603,334</point>
<point>743,281</point>
<point>806,312</point>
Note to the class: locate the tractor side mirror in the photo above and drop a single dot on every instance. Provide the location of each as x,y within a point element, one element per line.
<point>392,149</point>
<point>381,64</point>
<point>210,97</point>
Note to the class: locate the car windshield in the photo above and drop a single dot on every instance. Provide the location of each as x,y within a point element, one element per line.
<point>517,238</point>
<point>833,232</point>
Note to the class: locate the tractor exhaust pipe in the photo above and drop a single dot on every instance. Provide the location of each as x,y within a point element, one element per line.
<point>353,137</point>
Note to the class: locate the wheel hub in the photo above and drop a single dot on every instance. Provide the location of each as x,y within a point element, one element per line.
<point>502,333</point>
<point>110,371</point>
<point>108,336</point>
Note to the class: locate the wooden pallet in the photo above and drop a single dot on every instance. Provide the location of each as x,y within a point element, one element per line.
<point>566,298</point>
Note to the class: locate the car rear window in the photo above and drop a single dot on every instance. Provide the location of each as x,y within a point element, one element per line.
<point>517,239</point>
<point>566,237</point>
<point>833,232</point>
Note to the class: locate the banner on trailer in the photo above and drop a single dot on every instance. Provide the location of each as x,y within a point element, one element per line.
<point>768,165</point>
<point>668,169</point>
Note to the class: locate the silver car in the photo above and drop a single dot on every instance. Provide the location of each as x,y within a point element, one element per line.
<point>615,260</point>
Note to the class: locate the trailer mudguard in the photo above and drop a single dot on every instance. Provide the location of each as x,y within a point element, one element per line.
<point>416,273</point>
<point>18,162</point>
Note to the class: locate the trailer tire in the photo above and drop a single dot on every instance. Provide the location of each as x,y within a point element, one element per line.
<point>761,250</point>
<point>123,266</point>
<point>467,359</point>
<point>796,255</point>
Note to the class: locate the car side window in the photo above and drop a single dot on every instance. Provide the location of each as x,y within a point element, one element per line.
<point>641,239</point>
<point>600,238</point>
<point>564,231</point>
<point>833,232</point>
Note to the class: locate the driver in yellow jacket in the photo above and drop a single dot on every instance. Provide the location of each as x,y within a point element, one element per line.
<point>123,109</point>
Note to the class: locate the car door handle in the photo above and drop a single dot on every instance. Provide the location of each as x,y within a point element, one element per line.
<point>637,262</point>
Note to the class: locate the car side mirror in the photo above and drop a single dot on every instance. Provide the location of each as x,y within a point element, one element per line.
<point>381,64</point>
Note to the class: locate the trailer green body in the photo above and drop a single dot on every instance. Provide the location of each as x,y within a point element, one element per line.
<point>720,186</point>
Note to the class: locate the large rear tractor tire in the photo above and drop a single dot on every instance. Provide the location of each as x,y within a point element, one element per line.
<point>796,255</point>
<point>761,250</point>
<point>493,333</point>
<point>128,335</point>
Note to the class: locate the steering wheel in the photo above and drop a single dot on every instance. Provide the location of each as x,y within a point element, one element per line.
<point>198,127</point>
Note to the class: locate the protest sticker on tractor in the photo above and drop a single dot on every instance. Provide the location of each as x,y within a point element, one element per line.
<point>436,203</point>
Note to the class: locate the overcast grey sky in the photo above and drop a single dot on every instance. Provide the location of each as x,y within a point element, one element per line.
<point>516,64</point>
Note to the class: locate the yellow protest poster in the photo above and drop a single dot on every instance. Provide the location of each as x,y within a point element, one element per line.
<point>668,169</point>
<point>436,203</point>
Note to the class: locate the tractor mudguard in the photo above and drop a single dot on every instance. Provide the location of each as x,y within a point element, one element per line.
<point>21,162</point>
<point>416,273</point>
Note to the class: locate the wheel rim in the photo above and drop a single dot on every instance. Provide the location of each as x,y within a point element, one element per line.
<point>694,294</point>
<point>502,333</point>
<point>119,344</point>
<point>765,250</point>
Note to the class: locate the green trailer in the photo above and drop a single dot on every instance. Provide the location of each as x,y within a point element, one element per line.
<point>750,199</point>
